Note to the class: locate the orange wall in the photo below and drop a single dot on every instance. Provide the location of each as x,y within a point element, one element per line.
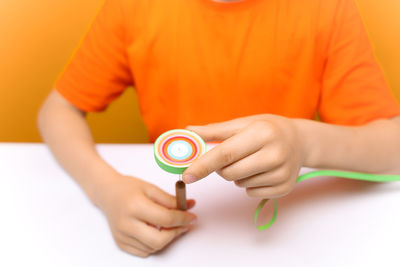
<point>381,17</point>
<point>38,37</point>
<point>36,40</point>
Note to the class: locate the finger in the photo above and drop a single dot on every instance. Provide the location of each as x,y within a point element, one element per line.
<point>259,162</point>
<point>163,198</point>
<point>216,131</point>
<point>129,239</point>
<point>158,239</point>
<point>269,191</point>
<point>223,130</point>
<point>231,150</point>
<point>190,203</point>
<point>133,250</point>
<point>161,216</point>
<point>272,178</point>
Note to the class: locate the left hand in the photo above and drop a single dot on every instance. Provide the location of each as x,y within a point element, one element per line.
<point>262,153</point>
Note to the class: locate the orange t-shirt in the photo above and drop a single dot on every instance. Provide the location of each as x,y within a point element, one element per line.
<point>199,61</point>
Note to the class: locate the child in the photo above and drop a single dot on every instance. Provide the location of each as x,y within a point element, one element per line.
<point>259,69</point>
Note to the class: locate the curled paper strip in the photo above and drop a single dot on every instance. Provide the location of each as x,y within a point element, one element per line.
<point>342,174</point>
<point>175,150</point>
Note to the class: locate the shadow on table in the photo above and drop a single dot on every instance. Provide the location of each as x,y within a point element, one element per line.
<point>237,209</point>
<point>228,212</point>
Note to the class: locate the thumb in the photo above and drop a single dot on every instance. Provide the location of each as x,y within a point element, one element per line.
<point>216,131</point>
<point>161,197</point>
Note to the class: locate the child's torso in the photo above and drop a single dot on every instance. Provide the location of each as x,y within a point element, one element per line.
<point>197,61</point>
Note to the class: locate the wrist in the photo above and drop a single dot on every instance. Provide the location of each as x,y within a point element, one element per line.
<point>100,178</point>
<point>308,140</point>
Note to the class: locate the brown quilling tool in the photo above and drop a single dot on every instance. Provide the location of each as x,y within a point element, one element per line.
<point>180,190</point>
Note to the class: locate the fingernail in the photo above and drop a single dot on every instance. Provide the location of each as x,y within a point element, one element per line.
<point>193,221</point>
<point>188,179</point>
<point>185,229</point>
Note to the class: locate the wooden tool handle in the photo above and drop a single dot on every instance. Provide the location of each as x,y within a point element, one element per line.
<point>180,189</point>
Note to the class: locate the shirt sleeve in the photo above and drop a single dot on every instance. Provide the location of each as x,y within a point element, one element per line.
<point>354,90</point>
<point>99,70</point>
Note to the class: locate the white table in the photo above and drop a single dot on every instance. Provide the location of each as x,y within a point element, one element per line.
<point>46,220</point>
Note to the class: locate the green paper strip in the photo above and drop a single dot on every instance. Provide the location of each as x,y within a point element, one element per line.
<point>349,175</point>
<point>271,222</point>
<point>168,168</point>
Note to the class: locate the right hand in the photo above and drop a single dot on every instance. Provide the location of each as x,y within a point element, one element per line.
<point>143,218</point>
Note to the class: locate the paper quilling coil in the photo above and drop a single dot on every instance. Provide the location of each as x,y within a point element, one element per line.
<point>175,150</point>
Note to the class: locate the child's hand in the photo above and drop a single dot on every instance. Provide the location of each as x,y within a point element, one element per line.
<point>134,208</point>
<point>262,153</point>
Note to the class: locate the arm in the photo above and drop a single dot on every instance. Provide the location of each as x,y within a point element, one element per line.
<point>64,128</point>
<point>133,207</point>
<point>264,153</point>
<point>373,148</point>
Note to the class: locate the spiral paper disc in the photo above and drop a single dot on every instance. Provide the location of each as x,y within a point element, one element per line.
<point>175,150</point>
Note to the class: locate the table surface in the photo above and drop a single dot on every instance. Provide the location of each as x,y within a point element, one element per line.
<point>46,220</point>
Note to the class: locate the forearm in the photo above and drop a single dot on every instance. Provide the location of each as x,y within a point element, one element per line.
<point>374,147</point>
<point>64,128</point>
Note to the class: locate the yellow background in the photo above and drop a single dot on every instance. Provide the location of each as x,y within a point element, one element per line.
<point>38,37</point>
